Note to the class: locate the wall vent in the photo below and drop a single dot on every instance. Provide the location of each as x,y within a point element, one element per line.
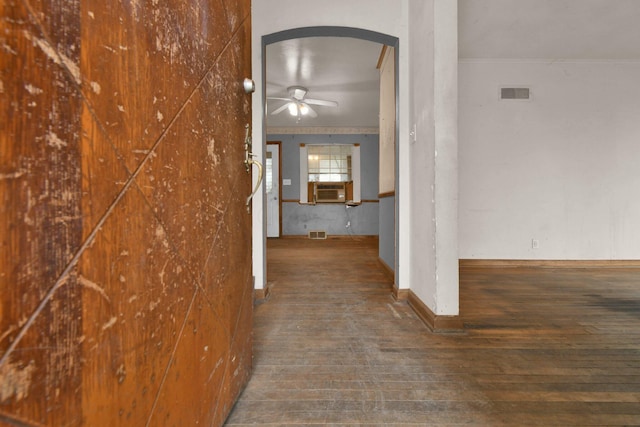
<point>318,235</point>
<point>515,93</point>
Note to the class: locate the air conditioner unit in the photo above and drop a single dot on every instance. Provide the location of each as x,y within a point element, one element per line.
<point>330,192</point>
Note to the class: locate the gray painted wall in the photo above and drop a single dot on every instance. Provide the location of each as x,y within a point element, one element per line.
<point>386,233</point>
<point>299,219</point>
<point>333,218</point>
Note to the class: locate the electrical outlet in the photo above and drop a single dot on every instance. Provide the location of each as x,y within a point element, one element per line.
<point>535,244</point>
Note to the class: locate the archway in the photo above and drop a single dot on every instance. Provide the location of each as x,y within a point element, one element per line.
<point>389,213</point>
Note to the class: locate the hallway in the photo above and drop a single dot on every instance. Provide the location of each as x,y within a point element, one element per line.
<point>540,347</point>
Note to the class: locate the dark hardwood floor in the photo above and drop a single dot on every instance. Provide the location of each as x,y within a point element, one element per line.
<point>541,346</point>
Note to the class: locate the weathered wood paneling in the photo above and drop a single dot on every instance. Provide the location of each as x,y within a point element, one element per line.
<point>141,62</point>
<point>40,211</point>
<point>125,255</point>
<point>136,295</point>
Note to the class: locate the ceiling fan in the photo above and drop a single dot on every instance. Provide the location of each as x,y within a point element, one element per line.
<point>298,104</point>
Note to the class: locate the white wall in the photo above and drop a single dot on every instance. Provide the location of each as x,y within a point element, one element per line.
<point>383,16</point>
<point>423,247</point>
<point>563,168</point>
<point>434,192</point>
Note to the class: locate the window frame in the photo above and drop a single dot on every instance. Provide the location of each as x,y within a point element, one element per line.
<point>355,172</point>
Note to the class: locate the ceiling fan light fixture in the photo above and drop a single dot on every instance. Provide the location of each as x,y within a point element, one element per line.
<point>298,105</point>
<point>297,92</point>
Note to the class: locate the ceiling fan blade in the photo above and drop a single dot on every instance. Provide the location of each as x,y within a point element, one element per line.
<point>278,99</point>
<point>280,109</point>
<point>321,102</point>
<point>311,112</point>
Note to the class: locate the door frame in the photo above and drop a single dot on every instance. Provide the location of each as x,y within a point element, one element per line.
<point>279,144</point>
<point>402,222</point>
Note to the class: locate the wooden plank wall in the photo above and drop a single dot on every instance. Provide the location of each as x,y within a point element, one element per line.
<point>125,280</point>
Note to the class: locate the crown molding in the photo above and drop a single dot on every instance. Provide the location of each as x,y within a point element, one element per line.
<point>322,130</point>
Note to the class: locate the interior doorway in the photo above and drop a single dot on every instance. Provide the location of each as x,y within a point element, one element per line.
<point>260,122</point>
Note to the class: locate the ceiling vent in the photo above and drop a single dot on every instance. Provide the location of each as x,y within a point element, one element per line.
<point>522,93</point>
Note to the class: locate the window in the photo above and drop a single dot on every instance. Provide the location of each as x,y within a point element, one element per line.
<point>330,164</point>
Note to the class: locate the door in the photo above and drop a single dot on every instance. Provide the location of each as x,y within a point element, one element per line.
<point>272,183</point>
<point>125,242</point>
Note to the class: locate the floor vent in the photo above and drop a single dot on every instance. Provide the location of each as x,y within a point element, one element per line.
<point>317,235</point>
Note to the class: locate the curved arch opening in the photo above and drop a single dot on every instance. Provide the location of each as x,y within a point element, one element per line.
<point>388,243</point>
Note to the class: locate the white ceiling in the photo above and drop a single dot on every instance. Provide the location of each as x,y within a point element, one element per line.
<point>332,68</point>
<point>344,69</point>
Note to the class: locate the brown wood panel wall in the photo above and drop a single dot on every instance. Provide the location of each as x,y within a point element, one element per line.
<point>125,279</point>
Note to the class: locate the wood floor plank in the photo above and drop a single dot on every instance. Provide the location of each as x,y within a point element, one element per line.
<point>541,346</point>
